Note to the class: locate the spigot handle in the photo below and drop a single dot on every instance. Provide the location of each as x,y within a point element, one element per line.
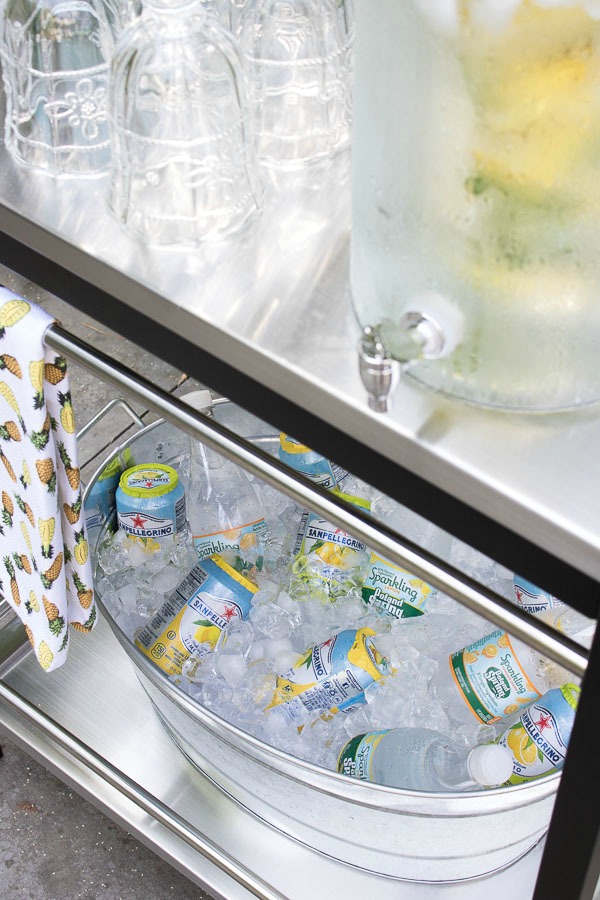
<point>423,338</point>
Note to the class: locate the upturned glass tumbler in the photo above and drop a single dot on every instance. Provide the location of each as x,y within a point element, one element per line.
<point>55,62</point>
<point>183,163</point>
<point>298,54</point>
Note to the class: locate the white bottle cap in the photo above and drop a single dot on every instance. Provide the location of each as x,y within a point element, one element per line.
<point>490,764</point>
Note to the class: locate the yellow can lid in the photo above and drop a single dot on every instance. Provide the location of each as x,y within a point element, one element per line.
<point>571,694</point>
<point>150,480</point>
<point>291,445</point>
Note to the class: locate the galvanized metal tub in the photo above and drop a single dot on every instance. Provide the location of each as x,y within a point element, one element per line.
<point>402,834</point>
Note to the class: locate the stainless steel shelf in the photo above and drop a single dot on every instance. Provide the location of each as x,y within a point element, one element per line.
<point>246,856</point>
<point>275,304</point>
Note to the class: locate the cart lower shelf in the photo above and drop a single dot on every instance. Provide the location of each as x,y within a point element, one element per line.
<point>125,764</point>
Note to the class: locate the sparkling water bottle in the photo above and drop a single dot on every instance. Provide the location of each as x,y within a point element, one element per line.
<point>494,677</point>
<point>424,760</point>
<point>225,514</point>
<point>538,740</point>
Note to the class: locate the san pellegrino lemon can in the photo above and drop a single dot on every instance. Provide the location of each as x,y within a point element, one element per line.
<point>312,464</point>
<point>151,503</point>
<point>328,678</point>
<point>538,740</point>
<point>327,558</point>
<point>532,598</point>
<point>190,622</point>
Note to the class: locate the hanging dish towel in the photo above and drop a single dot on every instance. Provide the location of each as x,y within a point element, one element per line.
<point>45,571</point>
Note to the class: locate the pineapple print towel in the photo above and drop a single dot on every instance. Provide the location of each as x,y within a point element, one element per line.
<point>45,573</point>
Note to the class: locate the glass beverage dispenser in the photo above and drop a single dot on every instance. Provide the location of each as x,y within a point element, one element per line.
<point>476,193</point>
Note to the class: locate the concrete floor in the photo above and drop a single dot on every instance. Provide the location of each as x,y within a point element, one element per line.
<point>53,844</point>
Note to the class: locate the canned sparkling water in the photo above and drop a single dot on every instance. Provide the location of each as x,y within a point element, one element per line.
<point>210,597</point>
<point>532,598</point>
<point>151,503</point>
<point>539,739</point>
<point>328,678</point>
<point>316,467</point>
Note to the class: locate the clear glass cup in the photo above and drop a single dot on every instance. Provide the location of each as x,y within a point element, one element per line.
<point>55,58</point>
<point>221,10</point>
<point>183,164</point>
<point>121,14</point>
<point>299,60</point>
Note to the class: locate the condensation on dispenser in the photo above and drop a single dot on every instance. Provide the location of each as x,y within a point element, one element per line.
<point>479,183</point>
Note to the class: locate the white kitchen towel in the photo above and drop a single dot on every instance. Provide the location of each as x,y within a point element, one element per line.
<point>45,571</point>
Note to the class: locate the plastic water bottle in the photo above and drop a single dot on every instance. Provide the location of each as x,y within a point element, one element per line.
<point>538,740</point>
<point>224,512</point>
<point>424,760</point>
<point>495,677</point>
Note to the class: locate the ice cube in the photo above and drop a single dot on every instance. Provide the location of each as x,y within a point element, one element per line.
<point>271,620</point>
<point>137,554</point>
<point>275,727</point>
<point>216,695</point>
<point>267,586</point>
<point>273,646</point>
<point>285,602</point>
<point>167,579</point>
<point>112,555</point>
<point>285,660</point>
<point>111,601</point>
<point>259,682</point>
<point>232,667</point>
<point>256,651</point>
<point>237,638</point>
<point>206,669</point>
<point>128,595</point>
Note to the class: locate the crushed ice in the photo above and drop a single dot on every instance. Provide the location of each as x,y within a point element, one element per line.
<point>236,681</point>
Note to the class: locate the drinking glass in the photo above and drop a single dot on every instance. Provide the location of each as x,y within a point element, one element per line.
<point>183,164</point>
<point>55,56</point>
<point>299,59</point>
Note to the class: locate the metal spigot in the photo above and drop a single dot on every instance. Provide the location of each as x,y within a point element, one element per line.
<point>379,372</point>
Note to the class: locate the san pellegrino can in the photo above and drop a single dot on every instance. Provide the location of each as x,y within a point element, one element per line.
<point>312,464</point>
<point>538,740</point>
<point>204,604</point>
<point>532,598</point>
<point>329,677</point>
<point>151,503</point>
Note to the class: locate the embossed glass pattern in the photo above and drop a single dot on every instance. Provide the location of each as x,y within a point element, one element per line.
<point>299,57</point>
<point>183,167</point>
<point>122,13</point>
<point>55,58</point>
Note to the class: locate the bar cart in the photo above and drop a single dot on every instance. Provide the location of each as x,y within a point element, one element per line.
<point>267,323</point>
